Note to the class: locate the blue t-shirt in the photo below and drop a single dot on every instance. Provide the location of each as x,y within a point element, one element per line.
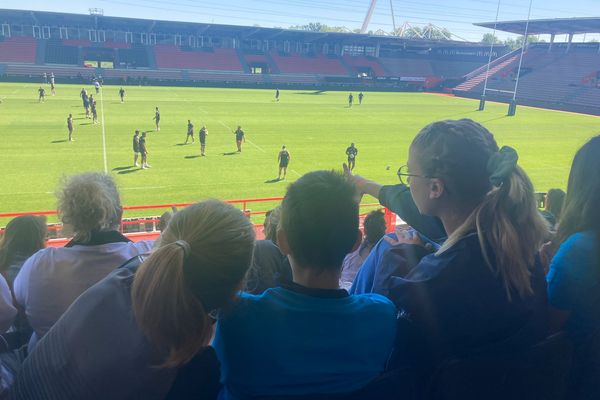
<point>574,283</point>
<point>294,340</point>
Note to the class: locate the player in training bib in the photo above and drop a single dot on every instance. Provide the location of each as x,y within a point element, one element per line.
<point>144,151</point>
<point>350,100</point>
<point>157,118</point>
<point>277,95</point>
<point>351,152</point>
<point>86,102</point>
<point>202,136</point>
<point>284,160</point>
<point>42,93</point>
<point>136,148</point>
<point>239,138</point>
<point>190,132</point>
<point>94,111</point>
<point>122,94</point>
<point>70,127</point>
<point>360,98</point>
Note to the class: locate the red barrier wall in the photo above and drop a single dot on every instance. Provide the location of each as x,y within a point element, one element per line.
<point>153,235</point>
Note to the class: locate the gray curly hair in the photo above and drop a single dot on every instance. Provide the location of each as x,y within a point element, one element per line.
<point>89,202</point>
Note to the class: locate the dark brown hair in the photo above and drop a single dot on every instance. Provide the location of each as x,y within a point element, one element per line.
<point>319,215</point>
<point>23,236</point>
<point>581,210</point>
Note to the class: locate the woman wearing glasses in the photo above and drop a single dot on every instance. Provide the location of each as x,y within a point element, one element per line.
<point>485,284</point>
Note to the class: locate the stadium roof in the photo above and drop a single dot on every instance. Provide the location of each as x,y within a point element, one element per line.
<point>548,26</point>
<point>206,29</point>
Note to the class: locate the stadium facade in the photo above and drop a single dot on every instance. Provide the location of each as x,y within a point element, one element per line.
<point>77,48</point>
<point>125,50</point>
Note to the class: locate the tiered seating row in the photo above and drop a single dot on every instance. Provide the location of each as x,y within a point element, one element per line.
<point>168,56</point>
<point>18,49</point>
<point>38,70</point>
<point>409,67</point>
<point>555,77</point>
<point>319,65</point>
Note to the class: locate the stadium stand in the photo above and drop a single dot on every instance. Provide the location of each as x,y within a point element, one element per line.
<point>295,63</point>
<point>550,76</point>
<point>146,51</point>
<point>18,49</point>
<point>57,52</point>
<point>35,71</point>
<point>134,56</point>
<point>169,56</point>
<point>365,64</point>
<point>553,75</point>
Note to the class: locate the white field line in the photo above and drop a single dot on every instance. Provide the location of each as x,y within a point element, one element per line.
<point>103,131</point>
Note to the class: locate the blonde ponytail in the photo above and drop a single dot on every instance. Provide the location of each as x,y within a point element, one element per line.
<point>199,264</point>
<point>165,309</point>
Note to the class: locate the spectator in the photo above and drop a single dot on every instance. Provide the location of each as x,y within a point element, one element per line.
<point>397,198</point>
<point>485,283</point>
<point>574,276</point>
<point>269,267</point>
<point>164,219</point>
<point>553,206</point>
<point>130,335</point>
<point>51,279</point>
<point>7,311</point>
<point>287,340</point>
<point>375,228</point>
<point>272,218</point>
<point>23,236</point>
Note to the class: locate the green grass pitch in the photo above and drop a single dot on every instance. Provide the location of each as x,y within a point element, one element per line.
<point>315,126</point>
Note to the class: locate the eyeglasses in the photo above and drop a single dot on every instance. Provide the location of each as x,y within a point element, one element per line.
<point>403,171</point>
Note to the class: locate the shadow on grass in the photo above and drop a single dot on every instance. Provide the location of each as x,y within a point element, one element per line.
<point>180,144</point>
<point>273,180</point>
<point>315,93</point>
<point>233,153</point>
<point>79,118</point>
<point>87,123</point>
<point>129,171</point>
<point>123,168</point>
<point>190,157</point>
<point>60,141</point>
<point>495,119</point>
<point>461,114</point>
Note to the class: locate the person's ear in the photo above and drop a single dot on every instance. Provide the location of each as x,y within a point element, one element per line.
<point>437,188</point>
<point>282,242</point>
<point>357,242</point>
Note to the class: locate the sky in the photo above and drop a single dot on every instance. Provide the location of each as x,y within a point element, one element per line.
<point>455,15</point>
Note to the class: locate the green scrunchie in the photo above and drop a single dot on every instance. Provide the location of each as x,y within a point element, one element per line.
<point>501,165</point>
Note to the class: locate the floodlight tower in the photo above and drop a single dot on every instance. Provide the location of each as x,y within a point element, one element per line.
<point>365,24</point>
